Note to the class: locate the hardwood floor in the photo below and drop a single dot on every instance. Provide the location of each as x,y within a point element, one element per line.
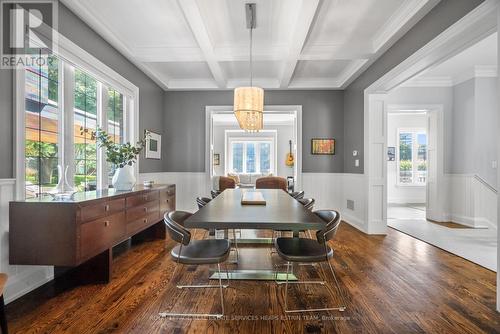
<point>393,284</point>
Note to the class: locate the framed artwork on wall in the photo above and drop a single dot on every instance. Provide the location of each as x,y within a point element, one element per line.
<point>153,145</point>
<point>391,153</point>
<point>216,159</point>
<point>323,146</point>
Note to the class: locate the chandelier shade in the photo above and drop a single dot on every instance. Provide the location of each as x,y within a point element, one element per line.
<point>249,108</point>
<point>249,101</point>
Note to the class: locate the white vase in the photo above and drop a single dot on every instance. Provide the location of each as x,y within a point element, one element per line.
<point>124,178</point>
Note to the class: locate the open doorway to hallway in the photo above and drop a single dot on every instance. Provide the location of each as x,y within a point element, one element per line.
<point>465,87</point>
<point>406,164</point>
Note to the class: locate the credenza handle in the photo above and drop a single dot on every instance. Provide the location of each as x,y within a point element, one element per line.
<point>145,220</point>
<point>145,209</point>
<point>106,223</point>
<point>106,207</point>
<point>145,197</point>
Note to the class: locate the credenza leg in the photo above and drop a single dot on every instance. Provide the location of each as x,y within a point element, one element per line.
<point>96,270</point>
<point>3,318</point>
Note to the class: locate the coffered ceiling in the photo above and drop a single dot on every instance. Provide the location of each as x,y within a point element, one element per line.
<point>298,44</point>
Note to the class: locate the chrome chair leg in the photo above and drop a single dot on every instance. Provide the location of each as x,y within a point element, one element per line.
<point>201,315</point>
<point>338,308</point>
<point>236,246</point>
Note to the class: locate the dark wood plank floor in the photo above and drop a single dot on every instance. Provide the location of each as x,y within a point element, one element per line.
<point>393,283</point>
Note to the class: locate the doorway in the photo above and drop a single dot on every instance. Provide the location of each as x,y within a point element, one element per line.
<point>407,138</point>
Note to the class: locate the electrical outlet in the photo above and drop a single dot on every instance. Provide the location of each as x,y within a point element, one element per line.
<point>494,164</point>
<point>350,204</point>
<point>356,163</point>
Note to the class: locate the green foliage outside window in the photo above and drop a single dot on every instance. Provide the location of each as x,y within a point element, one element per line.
<point>405,165</point>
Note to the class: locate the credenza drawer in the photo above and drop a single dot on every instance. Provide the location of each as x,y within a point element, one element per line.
<point>140,223</point>
<point>142,210</point>
<point>101,234</point>
<point>142,198</point>
<point>94,211</point>
<point>167,202</point>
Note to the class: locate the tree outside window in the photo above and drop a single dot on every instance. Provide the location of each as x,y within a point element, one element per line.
<point>412,157</point>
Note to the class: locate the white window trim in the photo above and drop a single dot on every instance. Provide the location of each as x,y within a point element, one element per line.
<point>413,152</point>
<point>72,54</point>
<point>229,153</point>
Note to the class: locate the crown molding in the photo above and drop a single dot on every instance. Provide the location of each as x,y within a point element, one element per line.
<point>444,81</point>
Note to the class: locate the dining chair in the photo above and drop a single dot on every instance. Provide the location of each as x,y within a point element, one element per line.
<point>202,201</point>
<point>195,252</point>
<point>226,183</point>
<point>304,250</point>
<point>297,194</point>
<point>3,318</point>
<point>271,182</point>
<point>308,203</point>
<point>215,193</point>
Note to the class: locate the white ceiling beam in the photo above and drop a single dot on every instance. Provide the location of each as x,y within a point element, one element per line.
<point>406,12</point>
<point>337,52</point>
<point>152,54</point>
<point>80,9</point>
<point>350,71</point>
<point>194,19</point>
<point>303,24</point>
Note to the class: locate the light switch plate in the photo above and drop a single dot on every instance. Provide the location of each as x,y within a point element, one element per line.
<point>356,163</point>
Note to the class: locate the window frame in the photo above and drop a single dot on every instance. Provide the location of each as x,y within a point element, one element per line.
<point>414,155</point>
<point>71,57</point>
<point>236,139</point>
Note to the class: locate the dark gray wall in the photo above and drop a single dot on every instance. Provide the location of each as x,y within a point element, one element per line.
<point>150,99</point>
<point>184,139</point>
<point>442,16</point>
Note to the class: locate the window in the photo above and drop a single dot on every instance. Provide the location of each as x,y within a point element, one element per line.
<point>115,119</point>
<point>412,157</point>
<point>62,107</point>
<point>255,155</point>
<point>42,121</point>
<point>85,120</point>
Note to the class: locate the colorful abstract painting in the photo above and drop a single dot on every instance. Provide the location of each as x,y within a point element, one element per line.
<point>323,146</point>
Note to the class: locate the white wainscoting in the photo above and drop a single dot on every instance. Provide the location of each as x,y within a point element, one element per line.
<point>353,188</point>
<point>22,279</point>
<point>470,201</point>
<point>330,190</point>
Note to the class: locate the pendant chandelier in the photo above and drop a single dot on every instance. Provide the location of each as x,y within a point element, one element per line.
<point>249,101</point>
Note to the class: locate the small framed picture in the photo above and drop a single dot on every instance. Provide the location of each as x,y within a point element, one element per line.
<point>391,153</point>
<point>216,159</point>
<point>153,145</point>
<point>323,146</point>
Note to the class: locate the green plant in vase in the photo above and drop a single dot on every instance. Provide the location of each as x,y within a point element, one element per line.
<point>124,156</point>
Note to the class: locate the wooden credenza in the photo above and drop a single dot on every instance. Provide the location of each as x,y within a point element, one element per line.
<point>80,233</point>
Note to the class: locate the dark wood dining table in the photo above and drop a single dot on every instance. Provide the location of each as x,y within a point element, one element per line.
<point>281,212</point>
